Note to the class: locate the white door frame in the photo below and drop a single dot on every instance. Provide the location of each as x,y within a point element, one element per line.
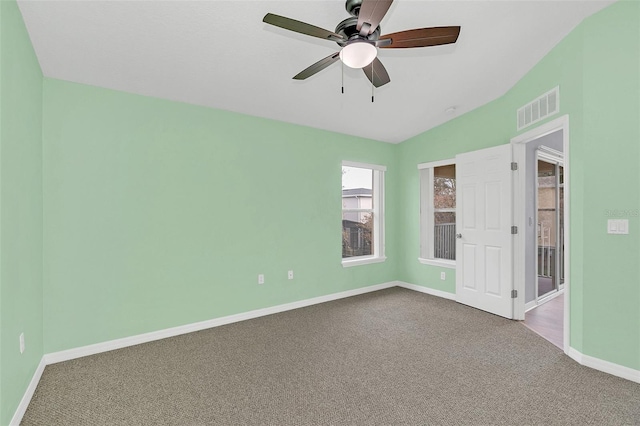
<point>519,185</point>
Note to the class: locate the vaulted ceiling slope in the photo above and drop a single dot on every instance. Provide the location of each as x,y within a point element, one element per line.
<point>220,54</point>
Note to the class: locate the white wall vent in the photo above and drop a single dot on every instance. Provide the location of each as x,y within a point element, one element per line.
<point>543,107</point>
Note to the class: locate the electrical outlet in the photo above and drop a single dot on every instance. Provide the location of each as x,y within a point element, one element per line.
<point>290,275</point>
<point>261,279</point>
<point>443,275</point>
<point>21,343</point>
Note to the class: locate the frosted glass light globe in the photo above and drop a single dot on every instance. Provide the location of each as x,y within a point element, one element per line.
<point>358,54</point>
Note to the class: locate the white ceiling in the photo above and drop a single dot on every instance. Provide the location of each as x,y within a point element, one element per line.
<point>220,54</point>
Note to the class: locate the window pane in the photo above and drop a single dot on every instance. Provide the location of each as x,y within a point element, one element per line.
<point>444,187</point>
<point>357,188</point>
<point>444,235</point>
<point>357,234</point>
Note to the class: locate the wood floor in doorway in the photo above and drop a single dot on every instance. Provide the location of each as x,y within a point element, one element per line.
<point>548,320</point>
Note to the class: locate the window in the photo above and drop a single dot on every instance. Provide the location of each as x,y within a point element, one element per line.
<point>438,213</point>
<point>362,213</point>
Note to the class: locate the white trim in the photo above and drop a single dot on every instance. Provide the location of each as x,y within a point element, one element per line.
<point>356,195</point>
<point>97,348</point>
<point>530,305</point>
<point>439,163</point>
<point>575,355</point>
<point>364,165</point>
<point>586,360</point>
<point>443,263</point>
<point>427,210</point>
<point>546,298</point>
<point>379,214</point>
<point>362,260</point>
<point>377,210</point>
<point>604,366</point>
<point>550,155</point>
<point>550,296</point>
<point>357,210</point>
<point>427,290</point>
<point>55,357</point>
<point>519,155</point>
<point>426,213</point>
<point>28,393</point>
<point>543,130</point>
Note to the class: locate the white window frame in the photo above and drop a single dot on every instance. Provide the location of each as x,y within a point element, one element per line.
<point>377,209</point>
<point>427,211</point>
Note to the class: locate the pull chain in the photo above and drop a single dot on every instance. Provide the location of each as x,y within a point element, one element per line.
<point>342,77</point>
<point>372,85</point>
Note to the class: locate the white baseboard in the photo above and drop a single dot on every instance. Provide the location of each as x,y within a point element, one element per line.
<point>604,366</point>
<point>28,394</point>
<point>427,290</point>
<point>55,357</point>
<point>535,303</point>
<point>530,305</point>
<point>580,358</point>
<point>69,354</point>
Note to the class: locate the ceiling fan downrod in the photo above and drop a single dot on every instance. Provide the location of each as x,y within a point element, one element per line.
<point>353,7</point>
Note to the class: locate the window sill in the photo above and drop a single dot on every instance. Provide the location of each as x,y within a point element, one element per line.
<point>346,263</point>
<point>451,264</point>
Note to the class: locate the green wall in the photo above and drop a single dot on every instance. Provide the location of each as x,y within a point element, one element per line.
<point>122,214</point>
<point>611,275</point>
<point>159,214</point>
<point>598,70</point>
<point>20,209</point>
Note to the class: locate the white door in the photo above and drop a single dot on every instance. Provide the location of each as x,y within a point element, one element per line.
<point>483,226</point>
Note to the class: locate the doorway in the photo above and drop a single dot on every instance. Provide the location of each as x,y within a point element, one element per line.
<point>547,278</point>
<point>541,267</point>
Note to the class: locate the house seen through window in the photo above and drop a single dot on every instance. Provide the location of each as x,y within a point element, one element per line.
<point>444,212</point>
<point>362,211</point>
<point>438,213</point>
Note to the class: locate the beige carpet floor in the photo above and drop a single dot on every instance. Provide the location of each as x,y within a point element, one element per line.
<point>393,357</point>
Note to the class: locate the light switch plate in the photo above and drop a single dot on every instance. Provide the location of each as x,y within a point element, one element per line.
<point>618,226</point>
<point>623,226</point>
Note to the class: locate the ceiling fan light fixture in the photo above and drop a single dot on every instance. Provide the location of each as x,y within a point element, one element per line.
<point>358,54</point>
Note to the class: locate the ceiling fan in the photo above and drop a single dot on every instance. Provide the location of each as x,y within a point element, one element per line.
<point>359,38</point>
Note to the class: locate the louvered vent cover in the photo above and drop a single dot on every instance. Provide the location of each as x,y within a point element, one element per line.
<point>543,107</point>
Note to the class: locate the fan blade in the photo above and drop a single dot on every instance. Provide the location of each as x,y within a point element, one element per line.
<point>300,27</point>
<point>372,12</point>
<point>380,76</point>
<point>317,67</point>
<point>421,37</point>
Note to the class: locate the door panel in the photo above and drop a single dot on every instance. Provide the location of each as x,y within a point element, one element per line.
<point>469,198</point>
<point>493,279</point>
<point>484,211</point>
<point>469,272</point>
<point>492,198</point>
